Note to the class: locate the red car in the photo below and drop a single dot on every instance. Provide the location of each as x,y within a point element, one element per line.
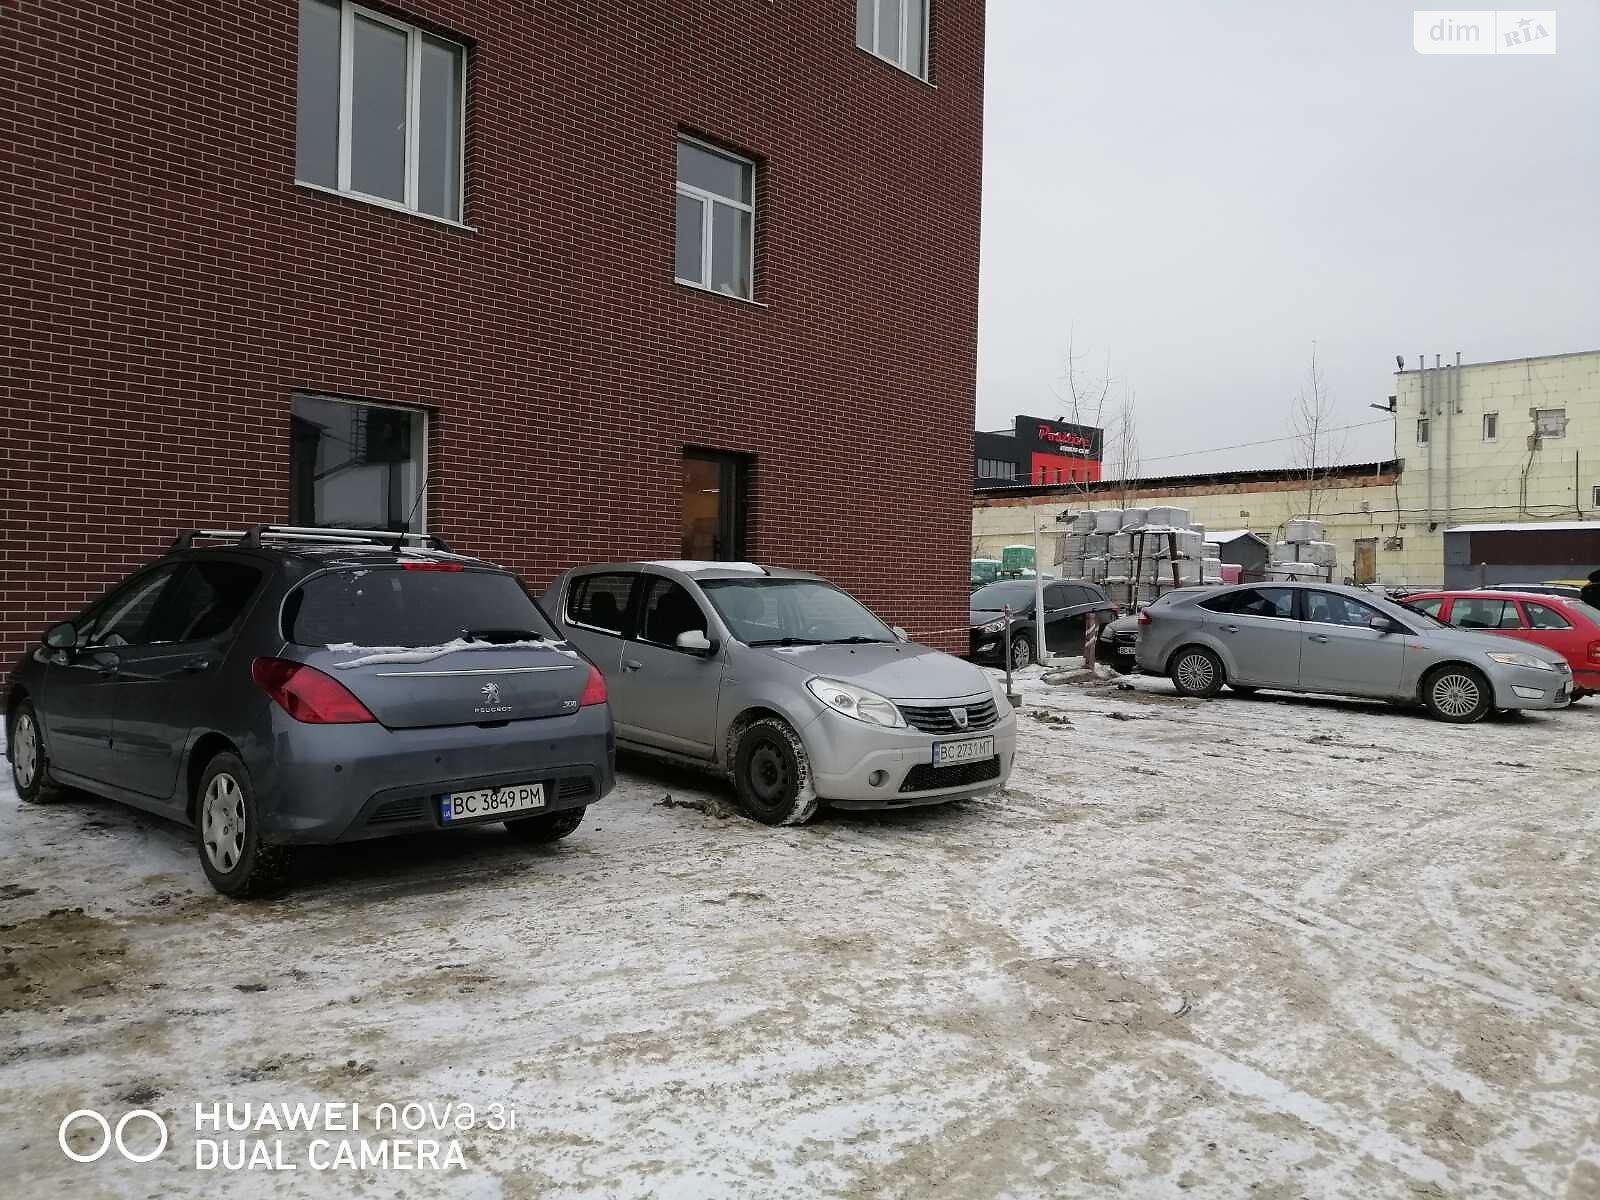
<point>1569,627</point>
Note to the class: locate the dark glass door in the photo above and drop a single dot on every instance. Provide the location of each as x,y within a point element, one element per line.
<point>714,502</point>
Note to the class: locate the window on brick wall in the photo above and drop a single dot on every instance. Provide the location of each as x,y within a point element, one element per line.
<point>1423,429</point>
<point>381,107</point>
<point>357,466</point>
<point>716,220</point>
<point>896,31</point>
<point>1491,427</point>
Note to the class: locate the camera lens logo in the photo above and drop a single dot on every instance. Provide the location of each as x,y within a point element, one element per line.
<point>110,1137</point>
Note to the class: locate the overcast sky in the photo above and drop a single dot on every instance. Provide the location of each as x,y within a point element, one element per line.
<point>1199,191</point>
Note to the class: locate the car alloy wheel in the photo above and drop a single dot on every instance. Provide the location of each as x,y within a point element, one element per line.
<point>1021,653</point>
<point>1456,695</point>
<point>223,822</point>
<point>25,752</point>
<point>1195,673</point>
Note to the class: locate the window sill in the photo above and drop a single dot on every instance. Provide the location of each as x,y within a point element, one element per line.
<point>705,291</point>
<point>889,62</point>
<point>380,202</point>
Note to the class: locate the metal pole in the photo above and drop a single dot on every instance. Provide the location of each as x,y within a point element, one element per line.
<point>1011,694</point>
<point>1038,596</point>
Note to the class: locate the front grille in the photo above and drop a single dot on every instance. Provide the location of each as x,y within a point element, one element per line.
<point>982,715</point>
<point>576,787</point>
<point>1126,637</point>
<point>408,809</point>
<point>925,777</point>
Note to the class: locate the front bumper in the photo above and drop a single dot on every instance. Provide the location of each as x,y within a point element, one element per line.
<point>986,647</point>
<point>1529,688</point>
<point>845,754</point>
<point>343,783</point>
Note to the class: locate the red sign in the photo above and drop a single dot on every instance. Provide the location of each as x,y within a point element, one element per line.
<point>1074,441</point>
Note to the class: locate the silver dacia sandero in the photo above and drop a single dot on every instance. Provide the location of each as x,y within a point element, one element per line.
<point>786,683</point>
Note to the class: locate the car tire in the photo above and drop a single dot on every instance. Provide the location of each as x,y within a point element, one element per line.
<point>545,828</point>
<point>1457,694</point>
<point>772,773</point>
<point>227,833</point>
<point>1580,694</point>
<point>30,771</point>
<point>1196,671</point>
<point>1021,652</point>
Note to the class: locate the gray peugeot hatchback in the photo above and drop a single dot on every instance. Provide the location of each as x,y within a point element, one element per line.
<point>284,686</point>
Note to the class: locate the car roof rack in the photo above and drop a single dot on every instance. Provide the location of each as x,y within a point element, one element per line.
<point>258,535</point>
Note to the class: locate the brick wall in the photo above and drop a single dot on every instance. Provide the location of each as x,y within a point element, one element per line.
<point>170,287</point>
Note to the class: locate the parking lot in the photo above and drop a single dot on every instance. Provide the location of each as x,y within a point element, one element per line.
<point>1270,946</point>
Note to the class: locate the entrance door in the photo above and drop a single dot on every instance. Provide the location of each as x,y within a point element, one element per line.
<point>714,504</point>
<point>1366,560</point>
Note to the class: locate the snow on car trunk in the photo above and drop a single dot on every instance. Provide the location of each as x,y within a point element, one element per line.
<point>430,644</point>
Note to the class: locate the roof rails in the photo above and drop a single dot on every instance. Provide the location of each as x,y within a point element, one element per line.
<point>257,535</point>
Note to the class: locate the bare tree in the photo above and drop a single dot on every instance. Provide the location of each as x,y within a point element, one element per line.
<point>1120,453</point>
<point>1082,397</point>
<point>1319,443</point>
<point>1085,400</point>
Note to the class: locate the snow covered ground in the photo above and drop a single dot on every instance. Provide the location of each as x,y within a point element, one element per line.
<point>1271,946</point>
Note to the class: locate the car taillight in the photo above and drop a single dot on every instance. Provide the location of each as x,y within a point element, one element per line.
<point>308,695</point>
<point>594,692</point>
<point>1144,617</point>
<point>431,566</point>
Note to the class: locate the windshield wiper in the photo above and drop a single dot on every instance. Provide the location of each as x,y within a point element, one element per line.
<point>857,640</point>
<point>787,641</point>
<point>501,636</point>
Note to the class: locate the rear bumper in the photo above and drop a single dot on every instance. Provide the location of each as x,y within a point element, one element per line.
<point>341,783</point>
<point>845,755</point>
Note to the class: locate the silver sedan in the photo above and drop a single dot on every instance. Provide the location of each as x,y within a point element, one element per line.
<point>1342,641</point>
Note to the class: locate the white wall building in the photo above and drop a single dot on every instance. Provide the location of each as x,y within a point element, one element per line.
<point>1509,441</point>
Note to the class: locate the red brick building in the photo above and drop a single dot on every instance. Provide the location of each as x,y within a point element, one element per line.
<point>590,240</point>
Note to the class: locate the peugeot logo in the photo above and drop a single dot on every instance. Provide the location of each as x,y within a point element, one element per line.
<point>491,705</point>
<point>959,716</point>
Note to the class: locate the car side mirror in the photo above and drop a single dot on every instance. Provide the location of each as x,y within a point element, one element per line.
<point>1384,625</point>
<point>695,642</point>
<point>62,637</point>
<point>901,634</point>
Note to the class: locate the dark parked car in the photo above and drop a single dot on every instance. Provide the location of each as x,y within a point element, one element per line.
<point>1120,638</point>
<point>1067,603</point>
<point>293,686</point>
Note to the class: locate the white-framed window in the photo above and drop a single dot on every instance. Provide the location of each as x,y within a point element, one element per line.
<point>896,31</point>
<point>1491,427</point>
<point>1594,500</point>
<point>357,465</point>
<point>716,244</point>
<point>1550,422</point>
<point>382,108</point>
<point>1423,428</point>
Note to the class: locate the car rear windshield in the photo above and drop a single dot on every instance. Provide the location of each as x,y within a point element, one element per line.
<point>393,606</point>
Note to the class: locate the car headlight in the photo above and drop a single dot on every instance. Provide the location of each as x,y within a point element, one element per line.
<point>1522,660</point>
<point>857,702</point>
<point>997,625</point>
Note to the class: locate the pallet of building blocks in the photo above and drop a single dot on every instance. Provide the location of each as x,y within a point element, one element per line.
<point>1304,530</point>
<point>1134,518</point>
<point>1108,520</point>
